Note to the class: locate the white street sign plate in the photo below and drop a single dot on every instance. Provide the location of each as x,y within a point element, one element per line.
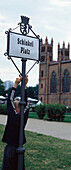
<point>22,46</point>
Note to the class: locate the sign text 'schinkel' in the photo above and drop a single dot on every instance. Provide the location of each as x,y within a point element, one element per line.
<point>26,43</point>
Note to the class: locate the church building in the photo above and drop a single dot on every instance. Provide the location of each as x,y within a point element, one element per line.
<point>54,76</point>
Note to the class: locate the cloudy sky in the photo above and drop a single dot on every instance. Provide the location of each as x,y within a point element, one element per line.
<point>49,18</point>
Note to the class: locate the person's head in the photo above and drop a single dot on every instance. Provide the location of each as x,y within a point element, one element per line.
<point>17,106</point>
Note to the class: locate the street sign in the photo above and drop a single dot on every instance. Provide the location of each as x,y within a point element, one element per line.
<point>22,46</point>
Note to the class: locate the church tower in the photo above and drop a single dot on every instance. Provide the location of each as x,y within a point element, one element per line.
<point>64,52</point>
<point>46,56</point>
<point>54,76</point>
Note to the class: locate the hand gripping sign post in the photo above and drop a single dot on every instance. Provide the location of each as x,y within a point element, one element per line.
<point>24,47</point>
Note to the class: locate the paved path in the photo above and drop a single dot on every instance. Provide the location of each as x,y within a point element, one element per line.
<point>56,129</point>
<point>3,119</point>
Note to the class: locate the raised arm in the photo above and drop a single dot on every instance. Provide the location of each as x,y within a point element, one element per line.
<point>10,101</point>
<point>17,81</point>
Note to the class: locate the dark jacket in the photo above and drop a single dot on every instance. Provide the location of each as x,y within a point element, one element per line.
<point>11,133</point>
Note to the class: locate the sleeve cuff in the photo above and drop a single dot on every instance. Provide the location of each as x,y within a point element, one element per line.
<point>13,88</point>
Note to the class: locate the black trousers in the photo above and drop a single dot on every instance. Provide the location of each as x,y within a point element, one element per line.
<point>10,158</point>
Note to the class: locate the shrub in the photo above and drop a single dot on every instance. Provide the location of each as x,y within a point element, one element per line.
<point>3,109</point>
<point>40,110</point>
<point>63,111</point>
<point>56,111</point>
<point>50,111</point>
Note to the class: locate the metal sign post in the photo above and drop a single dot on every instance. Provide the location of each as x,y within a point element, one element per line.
<point>20,149</point>
<point>25,47</point>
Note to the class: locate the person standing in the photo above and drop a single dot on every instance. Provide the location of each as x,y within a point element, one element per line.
<point>11,133</point>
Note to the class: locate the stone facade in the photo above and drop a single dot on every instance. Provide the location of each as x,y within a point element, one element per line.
<point>54,76</point>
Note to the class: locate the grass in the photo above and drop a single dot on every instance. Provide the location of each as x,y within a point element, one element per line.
<point>68,114</point>
<point>43,152</point>
<point>67,119</point>
<point>33,115</point>
<point>2,145</point>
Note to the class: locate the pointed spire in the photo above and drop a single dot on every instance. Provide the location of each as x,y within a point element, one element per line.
<point>51,41</point>
<point>63,44</point>
<point>58,45</point>
<point>68,45</point>
<point>41,41</point>
<point>46,40</point>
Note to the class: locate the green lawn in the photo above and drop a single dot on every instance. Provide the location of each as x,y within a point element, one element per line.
<point>43,152</point>
<point>33,115</point>
<point>67,119</point>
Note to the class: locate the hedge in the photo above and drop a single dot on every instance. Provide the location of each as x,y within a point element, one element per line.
<point>3,109</point>
<point>56,111</point>
<point>40,110</point>
<point>53,111</point>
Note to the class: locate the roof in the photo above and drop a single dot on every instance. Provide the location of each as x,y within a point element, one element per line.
<point>30,99</point>
<point>2,97</point>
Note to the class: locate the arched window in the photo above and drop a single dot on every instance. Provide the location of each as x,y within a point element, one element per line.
<point>66,81</point>
<point>42,58</point>
<point>41,85</point>
<point>43,49</point>
<point>41,99</point>
<point>42,73</point>
<point>53,83</point>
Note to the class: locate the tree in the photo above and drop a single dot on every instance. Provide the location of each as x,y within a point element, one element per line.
<point>2,88</point>
<point>17,92</point>
<point>32,92</point>
<point>36,92</point>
